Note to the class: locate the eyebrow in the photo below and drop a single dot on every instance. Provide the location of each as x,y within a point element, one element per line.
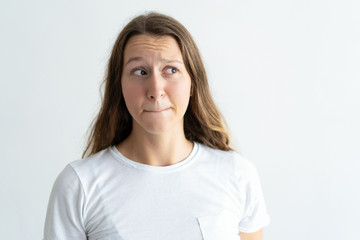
<point>132,60</point>
<point>164,60</point>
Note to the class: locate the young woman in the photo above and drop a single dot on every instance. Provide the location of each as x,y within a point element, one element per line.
<point>158,164</point>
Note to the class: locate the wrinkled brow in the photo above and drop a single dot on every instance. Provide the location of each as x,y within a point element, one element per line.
<point>133,59</point>
<point>164,60</point>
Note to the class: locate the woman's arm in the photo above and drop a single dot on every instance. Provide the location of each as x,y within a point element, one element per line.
<point>251,236</point>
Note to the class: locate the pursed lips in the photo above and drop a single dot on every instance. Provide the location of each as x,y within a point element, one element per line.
<point>156,110</point>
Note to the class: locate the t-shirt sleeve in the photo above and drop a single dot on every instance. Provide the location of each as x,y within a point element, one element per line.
<point>64,218</point>
<point>255,214</point>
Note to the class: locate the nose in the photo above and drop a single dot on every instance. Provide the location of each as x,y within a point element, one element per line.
<point>155,89</point>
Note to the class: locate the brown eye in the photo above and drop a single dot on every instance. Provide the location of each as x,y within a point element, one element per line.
<point>171,70</point>
<point>139,72</point>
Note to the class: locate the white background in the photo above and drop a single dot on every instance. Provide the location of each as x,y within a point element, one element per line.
<point>285,73</point>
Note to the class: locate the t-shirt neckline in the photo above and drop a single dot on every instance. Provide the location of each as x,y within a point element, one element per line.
<point>146,167</point>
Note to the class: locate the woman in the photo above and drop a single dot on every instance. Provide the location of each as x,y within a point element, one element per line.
<point>158,163</point>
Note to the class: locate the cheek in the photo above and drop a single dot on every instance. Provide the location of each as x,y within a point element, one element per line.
<point>131,95</point>
<point>181,92</point>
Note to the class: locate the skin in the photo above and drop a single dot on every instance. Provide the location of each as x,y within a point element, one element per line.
<point>251,236</point>
<point>157,90</point>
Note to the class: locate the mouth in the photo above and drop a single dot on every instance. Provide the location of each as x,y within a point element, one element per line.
<point>157,110</point>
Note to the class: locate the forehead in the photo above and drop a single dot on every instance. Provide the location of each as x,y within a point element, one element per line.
<point>145,43</point>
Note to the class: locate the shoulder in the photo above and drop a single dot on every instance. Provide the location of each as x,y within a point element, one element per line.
<point>97,163</point>
<point>85,172</point>
<point>240,165</point>
<point>66,180</point>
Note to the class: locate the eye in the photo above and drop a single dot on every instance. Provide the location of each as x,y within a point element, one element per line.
<point>139,72</point>
<point>171,70</point>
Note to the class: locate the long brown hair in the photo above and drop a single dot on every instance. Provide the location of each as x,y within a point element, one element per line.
<point>202,121</point>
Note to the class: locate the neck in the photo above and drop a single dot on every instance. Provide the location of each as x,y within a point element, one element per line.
<point>156,149</point>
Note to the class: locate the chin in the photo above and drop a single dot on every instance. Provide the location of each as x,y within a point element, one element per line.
<point>160,127</point>
<point>157,129</point>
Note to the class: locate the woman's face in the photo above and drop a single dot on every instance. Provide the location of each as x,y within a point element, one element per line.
<point>155,83</point>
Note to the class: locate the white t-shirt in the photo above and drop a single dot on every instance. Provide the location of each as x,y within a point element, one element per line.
<point>211,195</point>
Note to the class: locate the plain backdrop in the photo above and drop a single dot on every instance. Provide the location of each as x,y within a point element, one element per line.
<point>285,74</point>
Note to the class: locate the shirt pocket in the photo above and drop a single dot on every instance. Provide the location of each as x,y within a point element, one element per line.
<point>223,226</point>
